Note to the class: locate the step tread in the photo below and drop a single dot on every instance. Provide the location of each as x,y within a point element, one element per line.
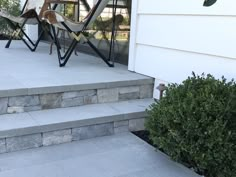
<point>62,118</point>
<point>121,155</point>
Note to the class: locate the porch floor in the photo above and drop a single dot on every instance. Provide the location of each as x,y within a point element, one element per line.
<point>24,72</point>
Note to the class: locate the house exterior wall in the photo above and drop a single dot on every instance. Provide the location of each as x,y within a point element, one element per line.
<point>170,39</point>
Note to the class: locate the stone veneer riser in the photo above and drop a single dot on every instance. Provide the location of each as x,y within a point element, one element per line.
<point>27,103</point>
<point>12,144</point>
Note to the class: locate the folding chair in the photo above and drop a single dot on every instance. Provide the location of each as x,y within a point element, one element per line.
<point>31,14</point>
<point>77,30</point>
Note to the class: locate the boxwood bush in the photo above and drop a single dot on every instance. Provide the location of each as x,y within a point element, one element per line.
<point>13,7</point>
<point>195,124</point>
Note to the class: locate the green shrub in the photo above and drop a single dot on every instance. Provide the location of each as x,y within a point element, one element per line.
<point>195,124</point>
<point>13,7</point>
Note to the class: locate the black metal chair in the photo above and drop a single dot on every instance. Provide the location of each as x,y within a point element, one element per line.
<point>77,30</point>
<point>31,14</point>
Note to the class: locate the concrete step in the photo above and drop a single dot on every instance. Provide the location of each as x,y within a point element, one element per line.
<point>37,83</point>
<point>120,155</point>
<point>56,126</point>
<point>62,96</point>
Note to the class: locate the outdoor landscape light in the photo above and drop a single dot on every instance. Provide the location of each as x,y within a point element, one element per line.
<point>208,3</point>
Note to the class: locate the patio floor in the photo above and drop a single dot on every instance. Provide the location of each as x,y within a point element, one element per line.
<point>22,70</point>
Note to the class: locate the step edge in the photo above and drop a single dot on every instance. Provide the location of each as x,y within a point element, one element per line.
<point>23,131</point>
<point>67,88</point>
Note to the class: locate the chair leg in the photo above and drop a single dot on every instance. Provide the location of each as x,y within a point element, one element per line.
<point>33,45</point>
<point>14,27</point>
<point>70,50</point>
<point>51,45</point>
<point>30,44</point>
<point>9,43</point>
<point>112,45</point>
<point>63,59</point>
<point>100,54</point>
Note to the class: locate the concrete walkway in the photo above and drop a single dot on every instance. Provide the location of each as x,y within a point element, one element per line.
<point>122,155</point>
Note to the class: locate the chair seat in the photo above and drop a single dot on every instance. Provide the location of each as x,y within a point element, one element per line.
<point>56,19</point>
<point>18,19</point>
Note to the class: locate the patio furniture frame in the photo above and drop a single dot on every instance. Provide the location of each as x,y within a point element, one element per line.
<point>57,20</point>
<point>27,17</point>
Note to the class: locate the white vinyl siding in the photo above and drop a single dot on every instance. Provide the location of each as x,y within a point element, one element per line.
<point>170,39</point>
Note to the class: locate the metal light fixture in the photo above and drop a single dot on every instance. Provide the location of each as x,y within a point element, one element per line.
<point>208,3</point>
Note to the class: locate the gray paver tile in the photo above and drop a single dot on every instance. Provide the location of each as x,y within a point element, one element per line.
<point>122,155</point>
<point>17,124</point>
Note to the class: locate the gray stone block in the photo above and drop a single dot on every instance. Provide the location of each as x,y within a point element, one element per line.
<point>90,100</point>
<point>146,91</point>
<point>70,95</point>
<point>108,95</point>
<point>92,131</point>
<point>3,105</point>
<point>136,124</point>
<point>24,101</point>
<point>88,92</point>
<point>32,108</point>
<point>128,96</point>
<point>57,137</point>
<point>3,146</point>
<point>121,129</point>
<point>23,142</point>
<point>121,123</point>
<point>125,90</point>
<point>15,109</point>
<point>129,93</point>
<point>72,102</point>
<point>50,101</point>
<point>121,126</point>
